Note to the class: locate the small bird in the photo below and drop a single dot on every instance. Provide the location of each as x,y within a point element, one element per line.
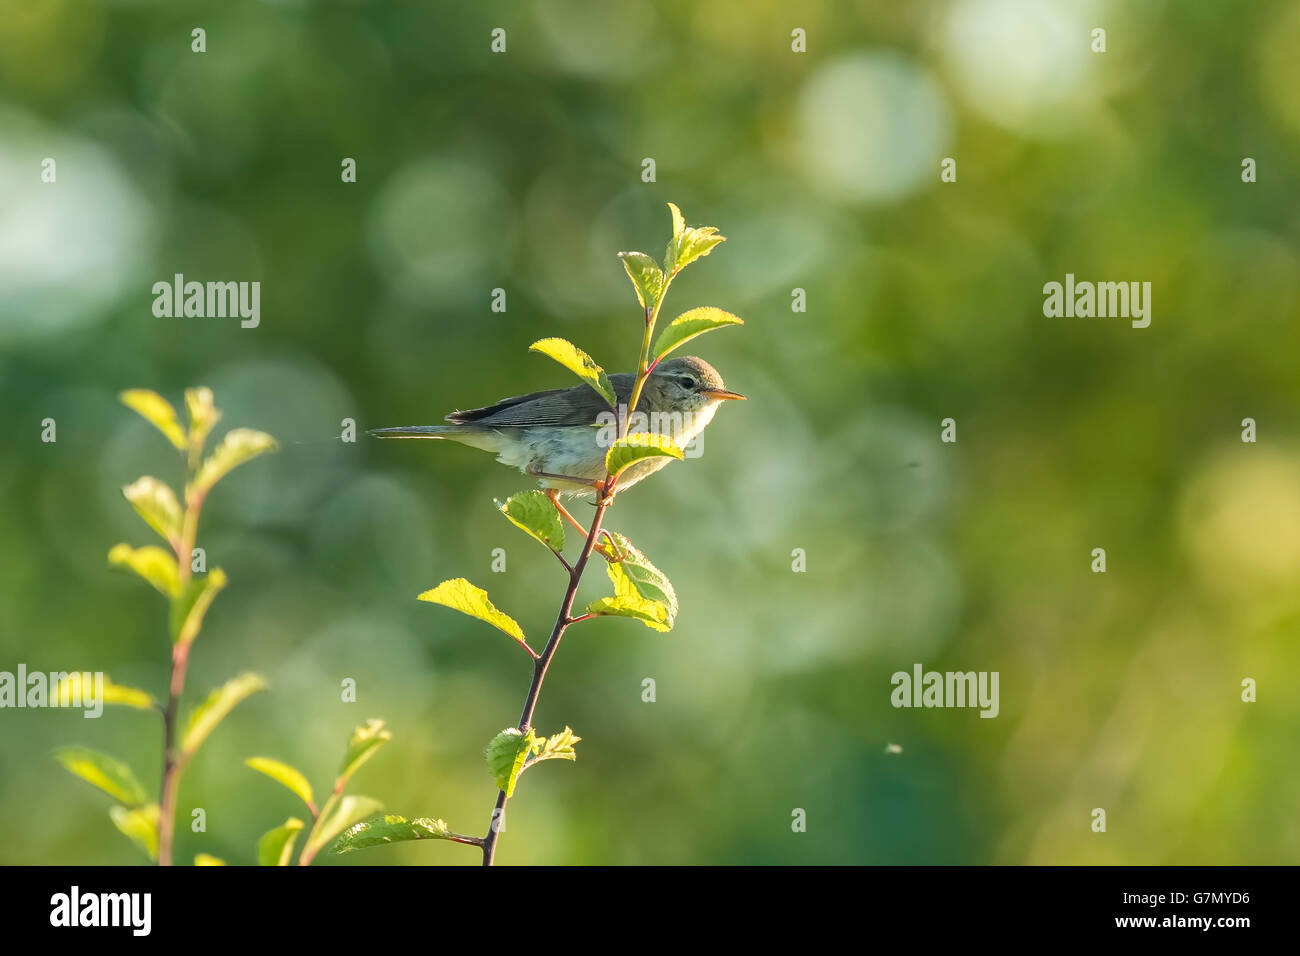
<point>553,435</point>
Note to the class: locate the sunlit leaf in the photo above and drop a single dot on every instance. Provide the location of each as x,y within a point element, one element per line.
<point>207,859</point>
<point>140,824</point>
<point>688,243</point>
<point>627,451</point>
<point>189,608</point>
<point>152,563</point>
<point>505,756</point>
<point>203,414</point>
<point>157,411</point>
<point>647,278</point>
<point>462,596</point>
<point>690,324</point>
<point>362,745</point>
<point>555,747</point>
<point>238,446</point>
<point>107,773</point>
<point>156,503</point>
<point>648,580</point>
<point>212,711</point>
<point>627,601</point>
<point>390,828</point>
<point>74,686</point>
<point>275,848</point>
<point>579,363</point>
<point>284,775</point>
<point>533,512</point>
<point>348,811</point>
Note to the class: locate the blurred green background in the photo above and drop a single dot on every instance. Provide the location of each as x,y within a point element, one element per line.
<point>522,171</point>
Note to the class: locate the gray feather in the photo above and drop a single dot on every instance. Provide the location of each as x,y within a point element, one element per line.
<point>578,405</point>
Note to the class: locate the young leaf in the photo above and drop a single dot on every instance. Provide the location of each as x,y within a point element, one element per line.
<point>203,414</point>
<point>390,828</point>
<point>207,859</point>
<point>156,503</point>
<point>108,774</point>
<point>648,580</point>
<point>363,743</point>
<point>555,747</point>
<point>628,451</point>
<point>579,363</point>
<point>190,607</point>
<point>690,324</point>
<point>275,848</point>
<point>459,595</point>
<point>647,278</point>
<point>157,411</point>
<point>74,686</point>
<point>629,602</point>
<point>140,824</point>
<point>284,775</point>
<point>688,243</point>
<point>152,563</point>
<point>239,445</point>
<point>505,756</point>
<point>220,702</point>
<point>532,512</point>
<point>348,811</point>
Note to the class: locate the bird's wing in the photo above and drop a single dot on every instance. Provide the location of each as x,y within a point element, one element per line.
<point>578,405</point>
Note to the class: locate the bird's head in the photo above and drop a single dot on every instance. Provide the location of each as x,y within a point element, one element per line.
<point>688,385</point>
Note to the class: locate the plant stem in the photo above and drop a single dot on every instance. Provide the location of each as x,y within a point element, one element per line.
<point>562,622</point>
<point>172,761</point>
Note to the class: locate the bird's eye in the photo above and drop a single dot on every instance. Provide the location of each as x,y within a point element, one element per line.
<point>686,382</point>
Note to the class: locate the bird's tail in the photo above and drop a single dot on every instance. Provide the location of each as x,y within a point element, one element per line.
<point>475,437</point>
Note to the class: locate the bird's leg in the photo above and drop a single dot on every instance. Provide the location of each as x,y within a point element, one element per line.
<point>614,554</point>
<point>554,495</point>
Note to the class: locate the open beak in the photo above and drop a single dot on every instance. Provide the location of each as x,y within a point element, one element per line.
<point>722,395</point>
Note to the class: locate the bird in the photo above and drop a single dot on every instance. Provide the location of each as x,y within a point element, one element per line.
<point>553,435</point>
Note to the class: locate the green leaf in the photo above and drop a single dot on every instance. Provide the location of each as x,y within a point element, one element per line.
<point>628,451</point>
<point>190,607</point>
<point>107,773</point>
<point>284,775</point>
<point>390,828</point>
<point>75,686</point>
<point>629,602</point>
<point>157,411</point>
<point>349,810</point>
<point>152,563</point>
<point>140,824</point>
<point>647,278</point>
<point>690,324</point>
<point>207,859</point>
<point>459,595</point>
<point>505,755</point>
<point>648,580</point>
<point>275,848</point>
<point>362,745</point>
<point>239,445</point>
<point>203,414</point>
<point>688,243</point>
<point>156,503</point>
<point>555,747</point>
<point>579,363</point>
<point>212,711</point>
<point>533,512</point>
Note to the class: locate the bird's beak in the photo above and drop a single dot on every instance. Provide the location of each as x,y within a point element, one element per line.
<point>722,395</point>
